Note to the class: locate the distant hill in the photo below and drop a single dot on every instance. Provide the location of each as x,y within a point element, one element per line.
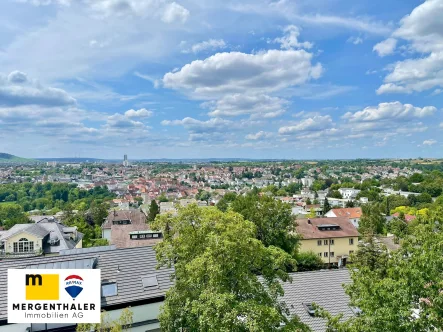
<point>9,158</point>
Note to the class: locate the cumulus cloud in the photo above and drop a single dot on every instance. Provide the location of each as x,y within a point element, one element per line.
<point>199,126</point>
<point>237,72</point>
<point>355,40</point>
<point>423,29</point>
<point>207,45</point>
<point>258,106</point>
<point>119,121</point>
<point>395,111</point>
<point>175,13</point>
<point>429,142</point>
<point>386,47</point>
<point>258,136</point>
<point>141,113</point>
<point>290,39</point>
<point>316,123</point>
<point>17,89</point>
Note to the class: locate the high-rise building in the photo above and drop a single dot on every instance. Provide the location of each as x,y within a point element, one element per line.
<point>125,160</point>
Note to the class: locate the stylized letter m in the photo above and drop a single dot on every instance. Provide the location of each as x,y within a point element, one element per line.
<point>34,278</point>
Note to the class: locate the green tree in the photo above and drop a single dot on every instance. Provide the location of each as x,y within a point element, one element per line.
<point>274,222</point>
<point>216,287</point>
<point>123,323</point>
<point>372,220</point>
<point>11,214</point>
<point>406,293</point>
<point>162,198</point>
<point>154,210</point>
<point>326,206</point>
<point>308,261</point>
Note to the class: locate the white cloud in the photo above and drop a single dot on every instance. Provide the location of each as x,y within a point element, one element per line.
<point>258,136</point>
<point>386,47</point>
<point>198,126</point>
<point>423,29</point>
<point>429,142</point>
<point>141,113</point>
<point>207,45</point>
<point>17,89</point>
<point>290,39</point>
<point>119,121</point>
<point>258,106</point>
<point>395,111</point>
<point>175,13</point>
<point>441,125</point>
<point>237,72</point>
<point>46,2</point>
<point>316,123</point>
<point>355,40</point>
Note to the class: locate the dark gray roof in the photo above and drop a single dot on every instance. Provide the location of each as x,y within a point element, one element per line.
<point>325,288</point>
<point>76,251</point>
<point>126,267</point>
<point>33,229</point>
<point>82,263</point>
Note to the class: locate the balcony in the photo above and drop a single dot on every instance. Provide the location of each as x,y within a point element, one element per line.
<point>12,255</point>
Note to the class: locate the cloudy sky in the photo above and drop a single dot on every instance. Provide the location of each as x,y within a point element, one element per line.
<point>195,79</point>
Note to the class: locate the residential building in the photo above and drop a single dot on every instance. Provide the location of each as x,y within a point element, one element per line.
<point>324,288</point>
<point>47,236</point>
<point>353,214</point>
<point>129,279</point>
<point>349,193</point>
<point>333,239</point>
<point>126,229</point>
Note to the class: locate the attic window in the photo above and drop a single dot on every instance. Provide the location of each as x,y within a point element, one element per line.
<point>356,310</point>
<point>109,289</point>
<point>150,281</point>
<point>328,227</point>
<point>310,309</point>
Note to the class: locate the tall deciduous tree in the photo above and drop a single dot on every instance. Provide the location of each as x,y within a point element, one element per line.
<point>154,210</point>
<point>274,223</point>
<point>217,261</point>
<point>401,291</point>
<point>372,220</point>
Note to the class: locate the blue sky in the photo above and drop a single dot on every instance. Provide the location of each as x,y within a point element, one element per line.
<point>197,79</point>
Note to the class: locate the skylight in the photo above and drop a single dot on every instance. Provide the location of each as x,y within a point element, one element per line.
<point>109,289</point>
<point>310,309</point>
<point>149,281</point>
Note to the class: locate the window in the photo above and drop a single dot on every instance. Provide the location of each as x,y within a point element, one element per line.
<point>319,254</point>
<point>351,242</point>
<point>331,242</point>
<point>155,235</point>
<point>325,242</point>
<point>109,289</point>
<point>142,236</point>
<point>149,281</point>
<point>148,235</point>
<point>310,309</point>
<point>325,254</point>
<point>351,252</point>
<point>23,245</point>
<point>319,242</point>
<point>331,254</point>
<point>133,236</point>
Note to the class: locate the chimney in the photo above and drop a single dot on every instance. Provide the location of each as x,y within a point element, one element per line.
<point>309,221</point>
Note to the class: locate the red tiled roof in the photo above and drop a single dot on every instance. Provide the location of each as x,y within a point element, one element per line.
<point>408,217</point>
<point>348,212</point>
<point>311,231</point>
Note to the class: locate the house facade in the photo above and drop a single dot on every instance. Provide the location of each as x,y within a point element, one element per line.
<point>129,279</point>
<point>47,236</point>
<point>334,240</point>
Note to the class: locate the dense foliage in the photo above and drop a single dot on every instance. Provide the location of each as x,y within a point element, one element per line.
<point>217,261</point>
<point>51,195</point>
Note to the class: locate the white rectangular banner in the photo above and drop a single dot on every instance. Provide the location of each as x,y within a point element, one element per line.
<point>54,296</point>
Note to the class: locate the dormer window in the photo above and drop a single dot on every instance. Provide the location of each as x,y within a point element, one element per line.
<point>309,309</point>
<point>328,227</point>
